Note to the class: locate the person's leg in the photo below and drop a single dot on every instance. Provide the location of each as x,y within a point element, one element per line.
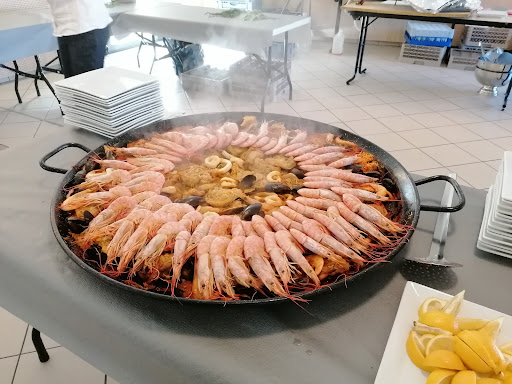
<point>64,56</point>
<point>88,50</point>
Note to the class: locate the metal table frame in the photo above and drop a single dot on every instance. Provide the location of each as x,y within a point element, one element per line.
<point>39,75</point>
<point>365,16</point>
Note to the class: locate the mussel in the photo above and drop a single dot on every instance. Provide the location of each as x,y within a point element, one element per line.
<point>194,201</point>
<point>76,225</point>
<point>90,165</point>
<point>278,188</point>
<point>297,172</point>
<point>251,210</point>
<point>247,182</point>
<point>354,167</point>
<point>79,177</point>
<point>296,189</point>
<point>88,216</point>
<point>373,174</point>
<point>389,185</point>
<point>232,211</point>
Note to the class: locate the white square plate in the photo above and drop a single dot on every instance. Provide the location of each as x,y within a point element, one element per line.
<point>108,82</point>
<point>396,367</point>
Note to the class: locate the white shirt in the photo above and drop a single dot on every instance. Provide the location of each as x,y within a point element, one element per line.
<point>72,17</point>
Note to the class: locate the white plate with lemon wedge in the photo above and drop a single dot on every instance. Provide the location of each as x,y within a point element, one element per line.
<point>442,345</point>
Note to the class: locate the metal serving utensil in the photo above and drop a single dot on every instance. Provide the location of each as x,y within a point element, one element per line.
<point>436,255</point>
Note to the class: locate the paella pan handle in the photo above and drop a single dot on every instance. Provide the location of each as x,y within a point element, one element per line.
<point>45,158</point>
<point>455,185</point>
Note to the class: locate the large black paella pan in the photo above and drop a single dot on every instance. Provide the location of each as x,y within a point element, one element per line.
<point>407,207</point>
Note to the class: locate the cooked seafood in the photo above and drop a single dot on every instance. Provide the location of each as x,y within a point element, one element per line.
<point>227,212</point>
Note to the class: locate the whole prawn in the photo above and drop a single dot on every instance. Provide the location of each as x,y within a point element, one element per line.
<point>219,265</point>
<point>204,267</point>
<point>179,257</point>
<point>236,263</point>
<point>282,265</point>
<point>361,194</point>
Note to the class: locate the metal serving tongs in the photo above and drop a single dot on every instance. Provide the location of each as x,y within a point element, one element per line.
<point>436,255</point>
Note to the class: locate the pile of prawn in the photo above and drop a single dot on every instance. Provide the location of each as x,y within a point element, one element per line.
<point>335,225</point>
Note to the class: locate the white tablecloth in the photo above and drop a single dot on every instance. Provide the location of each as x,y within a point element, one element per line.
<point>25,33</point>
<point>196,25</point>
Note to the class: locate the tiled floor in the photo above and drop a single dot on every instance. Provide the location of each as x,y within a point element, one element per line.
<point>430,119</point>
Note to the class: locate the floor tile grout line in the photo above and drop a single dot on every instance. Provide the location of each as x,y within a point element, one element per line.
<point>19,355</point>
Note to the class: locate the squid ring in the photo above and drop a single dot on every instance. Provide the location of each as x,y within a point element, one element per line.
<point>232,158</point>
<point>274,177</point>
<point>228,182</point>
<point>170,190</point>
<point>212,161</point>
<point>210,213</point>
<point>226,166</point>
<point>273,200</point>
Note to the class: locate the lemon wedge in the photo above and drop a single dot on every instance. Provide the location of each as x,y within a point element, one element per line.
<point>464,377</point>
<point>440,342</point>
<point>438,319</point>
<point>489,381</point>
<point>442,359</point>
<point>440,376</point>
<point>414,346</point>
<point>492,329</point>
<point>462,324</point>
<point>425,339</point>
<point>431,304</point>
<point>506,348</point>
<point>469,356</point>
<point>423,329</point>
<point>481,346</point>
<point>453,306</point>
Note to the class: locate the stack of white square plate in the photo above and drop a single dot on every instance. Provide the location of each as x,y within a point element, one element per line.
<point>110,101</point>
<point>496,230</point>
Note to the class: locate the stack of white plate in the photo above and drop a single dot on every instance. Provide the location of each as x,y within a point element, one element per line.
<point>496,231</point>
<point>110,101</point>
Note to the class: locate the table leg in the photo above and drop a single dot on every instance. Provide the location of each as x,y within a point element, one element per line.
<point>507,95</point>
<point>39,346</point>
<point>286,65</point>
<point>359,60</point>
<point>269,78</point>
<point>365,29</point>
<point>153,40</point>
<point>16,80</point>
<point>37,76</point>
<point>338,18</point>
<point>140,47</point>
<point>43,77</point>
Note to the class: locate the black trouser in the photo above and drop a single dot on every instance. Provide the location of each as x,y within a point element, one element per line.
<point>84,52</point>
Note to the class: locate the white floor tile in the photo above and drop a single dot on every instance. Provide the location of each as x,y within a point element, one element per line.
<point>483,150</point>
<point>431,119</point>
<point>209,109</point>
<point>12,333</point>
<point>111,381</point>
<point>364,100</point>
<point>442,171</point>
<point>415,160</point>
<point>423,138</point>
<point>36,103</point>
<point>494,164</point>
<point>350,114</point>
<point>389,141</point>
<point>490,113</point>
<point>336,102</point>
<point>507,124</point>
<point>411,107</point>
<point>449,155</point>
<point>14,142</point>
<point>419,95</point>
<point>503,142</point>
<point>400,123</point>
<point>378,111</point>
<point>63,367</point>
<point>8,104</point>
<point>321,116</point>
<point>305,105</point>
<point>7,368</point>
<point>281,108</point>
<point>350,90</point>
<point>456,133</point>
<point>466,101</point>
<point>323,93</point>
<point>479,175</point>
<point>488,130</point>
<point>462,116</point>
<point>439,105</point>
<point>2,147</point>
<point>243,108</point>
<point>311,84</point>
<point>392,97</point>
<point>367,127</point>
<point>298,94</point>
<point>3,114</point>
<point>28,345</point>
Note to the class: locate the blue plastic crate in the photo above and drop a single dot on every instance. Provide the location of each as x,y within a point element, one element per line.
<point>428,41</point>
